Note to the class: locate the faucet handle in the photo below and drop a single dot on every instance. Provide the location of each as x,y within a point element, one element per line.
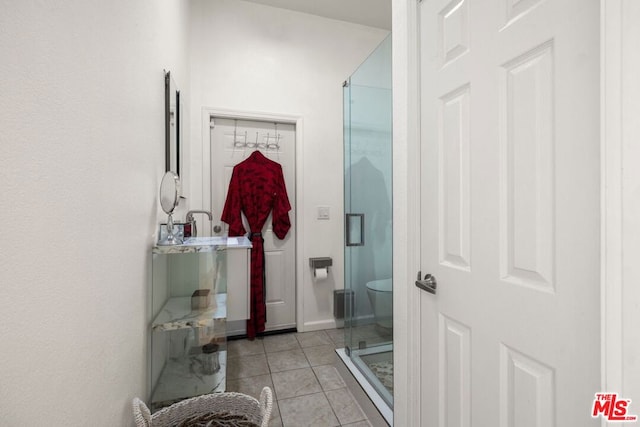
<point>189,218</point>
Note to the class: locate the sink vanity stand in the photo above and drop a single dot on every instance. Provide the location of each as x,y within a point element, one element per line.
<point>188,309</point>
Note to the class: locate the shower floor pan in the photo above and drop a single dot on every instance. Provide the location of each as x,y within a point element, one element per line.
<point>375,388</point>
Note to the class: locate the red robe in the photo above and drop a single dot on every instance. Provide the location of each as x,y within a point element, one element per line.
<point>256,188</point>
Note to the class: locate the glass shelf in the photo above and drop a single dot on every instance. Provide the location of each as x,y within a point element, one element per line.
<point>178,333</point>
<point>177,314</point>
<point>182,378</point>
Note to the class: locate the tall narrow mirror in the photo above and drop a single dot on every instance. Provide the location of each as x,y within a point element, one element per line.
<point>172,124</point>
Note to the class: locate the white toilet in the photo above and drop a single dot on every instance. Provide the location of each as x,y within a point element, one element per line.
<point>381,297</point>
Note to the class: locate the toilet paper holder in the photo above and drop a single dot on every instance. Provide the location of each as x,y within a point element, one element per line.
<point>321,262</point>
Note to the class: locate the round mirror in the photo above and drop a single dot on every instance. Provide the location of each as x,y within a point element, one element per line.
<point>169,192</point>
<point>169,197</point>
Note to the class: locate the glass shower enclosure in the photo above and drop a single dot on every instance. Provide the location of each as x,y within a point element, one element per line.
<point>368,221</point>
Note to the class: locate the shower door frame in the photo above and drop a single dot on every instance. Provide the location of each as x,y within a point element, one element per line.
<point>368,161</point>
<point>361,212</point>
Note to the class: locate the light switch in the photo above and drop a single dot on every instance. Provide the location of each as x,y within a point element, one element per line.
<point>324,212</point>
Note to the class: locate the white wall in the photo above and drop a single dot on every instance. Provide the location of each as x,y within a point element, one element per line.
<point>255,58</point>
<point>81,158</point>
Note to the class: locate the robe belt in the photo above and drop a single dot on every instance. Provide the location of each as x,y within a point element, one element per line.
<point>260,254</point>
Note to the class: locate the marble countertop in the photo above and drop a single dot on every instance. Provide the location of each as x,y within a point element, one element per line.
<point>204,244</point>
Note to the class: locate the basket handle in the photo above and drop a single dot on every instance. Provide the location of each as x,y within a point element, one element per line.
<point>141,413</point>
<point>266,405</point>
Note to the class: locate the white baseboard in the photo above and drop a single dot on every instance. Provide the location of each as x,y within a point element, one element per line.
<point>237,327</point>
<point>319,325</point>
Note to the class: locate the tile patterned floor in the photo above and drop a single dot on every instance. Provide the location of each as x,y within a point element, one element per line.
<point>299,368</point>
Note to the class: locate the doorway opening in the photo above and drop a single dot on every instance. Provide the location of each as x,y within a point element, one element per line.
<point>232,139</point>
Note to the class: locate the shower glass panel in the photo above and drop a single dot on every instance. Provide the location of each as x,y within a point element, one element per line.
<point>368,231</point>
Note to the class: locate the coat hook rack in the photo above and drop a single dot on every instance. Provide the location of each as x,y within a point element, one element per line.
<point>238,142</point>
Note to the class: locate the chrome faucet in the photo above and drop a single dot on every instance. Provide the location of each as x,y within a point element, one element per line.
<point>191,220</point>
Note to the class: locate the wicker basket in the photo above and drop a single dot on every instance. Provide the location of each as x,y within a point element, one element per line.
<point>258,412</point>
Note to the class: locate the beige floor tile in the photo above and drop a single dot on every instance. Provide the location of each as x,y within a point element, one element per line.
<point>370,331</point>
<point>337,336</point>
<point>251,385</point>
<point>345,406</point>
<point>298,367</point>
<point>312,410</point>
<point>275,420</point>
<point>287,360</point>
<point>297,382</point>
<point>276,343</point>
<point>311,339</point>
<point>329,377</point>
<point>320,355</point>
<point>363,423</point>
<point>237,348</point>
<point>247,366</point>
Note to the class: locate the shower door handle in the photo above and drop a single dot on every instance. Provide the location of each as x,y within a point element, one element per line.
<point>354,229</point>
<point>428,284</point>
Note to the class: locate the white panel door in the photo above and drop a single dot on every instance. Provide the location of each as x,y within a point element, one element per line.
<point>232,141</point>
<point>510,212</point>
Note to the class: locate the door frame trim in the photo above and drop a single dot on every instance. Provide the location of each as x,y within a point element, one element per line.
<point>294,119</point>
<point>612,129</point>
<point>406,211</point>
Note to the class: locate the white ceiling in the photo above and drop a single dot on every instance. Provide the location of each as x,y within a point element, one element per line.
<point>374,13</point>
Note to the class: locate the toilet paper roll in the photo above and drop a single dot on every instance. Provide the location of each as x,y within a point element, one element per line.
<point>321,273</point>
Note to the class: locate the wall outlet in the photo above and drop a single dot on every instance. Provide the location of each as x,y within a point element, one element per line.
<point>324,212</point>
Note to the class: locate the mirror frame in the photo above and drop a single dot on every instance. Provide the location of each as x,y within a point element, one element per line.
<point>172,124</point>
<point>170,178</point>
